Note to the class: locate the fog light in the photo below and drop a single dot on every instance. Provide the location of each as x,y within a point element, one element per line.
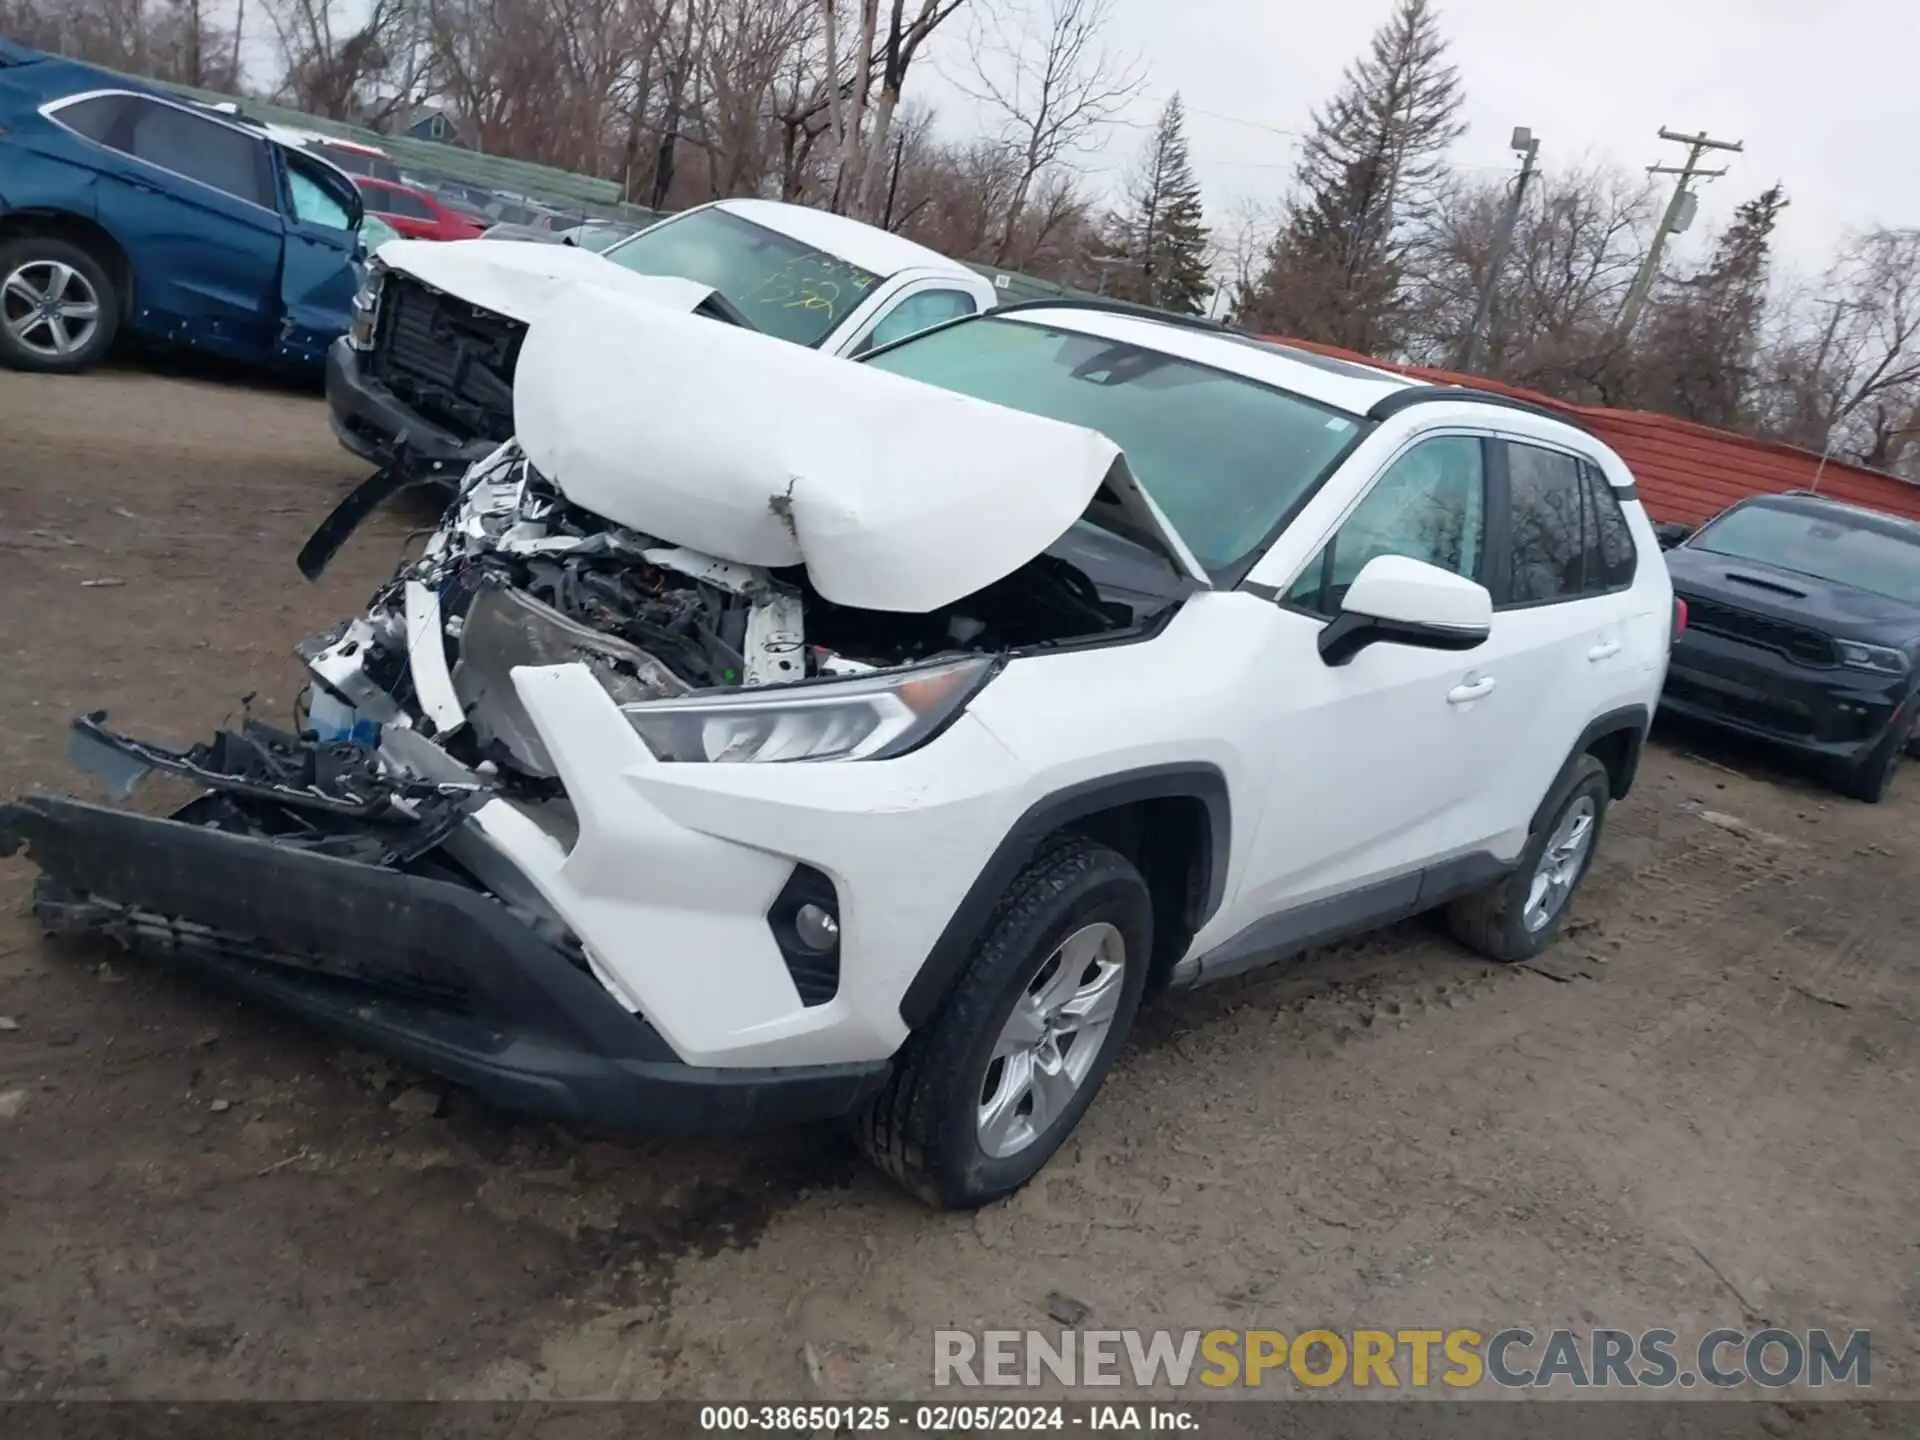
<point>816,927</point>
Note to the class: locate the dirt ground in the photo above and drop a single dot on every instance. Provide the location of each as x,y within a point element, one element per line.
<point>1700,1112</point>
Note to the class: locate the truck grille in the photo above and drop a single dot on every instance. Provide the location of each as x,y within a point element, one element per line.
<point>450,361</point>
<point>1796,642</point>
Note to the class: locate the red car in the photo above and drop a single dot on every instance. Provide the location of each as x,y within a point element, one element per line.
<point>415,213</point>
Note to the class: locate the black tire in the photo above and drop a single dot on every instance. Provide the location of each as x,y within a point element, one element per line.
<point>1871,777</point>
<point>923,1130</point>
<point>1493,921</point>
<point>28,254</point>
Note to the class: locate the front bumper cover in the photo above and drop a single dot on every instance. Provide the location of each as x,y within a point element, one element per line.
<point>1823,712</point>
<point>375,424</point>
<point>426,970</point>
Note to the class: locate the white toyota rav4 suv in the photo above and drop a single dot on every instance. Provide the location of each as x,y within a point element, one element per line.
<point>763,737</point>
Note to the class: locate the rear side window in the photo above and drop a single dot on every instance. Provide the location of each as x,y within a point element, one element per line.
<point>218,156</point>
<point>1567,536</point>
<point>1544,526</point>
<point>94,118</point>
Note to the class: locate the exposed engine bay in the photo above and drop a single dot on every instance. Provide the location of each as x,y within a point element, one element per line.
<point>412,717</point>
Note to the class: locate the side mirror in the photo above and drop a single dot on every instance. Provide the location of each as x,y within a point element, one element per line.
<point>1671,533</point>
<point>1398,601</point>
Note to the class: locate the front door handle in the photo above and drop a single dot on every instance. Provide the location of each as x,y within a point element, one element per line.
<point>1605,650</point>
<point>1470,690</point>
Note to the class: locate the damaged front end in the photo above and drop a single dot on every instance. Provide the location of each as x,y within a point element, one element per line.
<point>385,866</point>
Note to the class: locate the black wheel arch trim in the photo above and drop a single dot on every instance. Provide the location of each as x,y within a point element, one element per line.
<point>1197,781</point>
<point>1632,721</point>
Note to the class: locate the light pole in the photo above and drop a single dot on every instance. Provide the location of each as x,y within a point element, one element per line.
<point>1527,145</point>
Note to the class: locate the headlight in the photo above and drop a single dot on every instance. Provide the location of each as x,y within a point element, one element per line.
<point>870,718</point>
<point>366,306</point>
<point>1877,658</point>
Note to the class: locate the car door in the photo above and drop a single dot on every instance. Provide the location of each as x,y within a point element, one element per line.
<point>1375,762</point>
<point>322,211</point>
<point>191,200</point>
<point>1558,620</point>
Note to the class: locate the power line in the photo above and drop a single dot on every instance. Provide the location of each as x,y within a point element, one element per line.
<point>1239,120</point>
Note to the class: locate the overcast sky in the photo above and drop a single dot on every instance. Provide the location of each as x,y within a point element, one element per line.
<point>1825,93</point>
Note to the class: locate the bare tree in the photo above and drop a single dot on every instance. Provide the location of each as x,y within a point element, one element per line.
<point>1048,93</point>
<point>1845,378</point>
<point>1575,248</point>
<point>182,41</point>
<point>856,56</point>
<point>331,52</point>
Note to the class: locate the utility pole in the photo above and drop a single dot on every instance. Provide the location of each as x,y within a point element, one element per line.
<point>1528,145</point>
<point>1679,214</point>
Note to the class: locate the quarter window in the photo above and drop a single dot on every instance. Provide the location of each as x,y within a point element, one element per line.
<point>1612,555</point>
<point>1430,504</point>
<point>94,118</point>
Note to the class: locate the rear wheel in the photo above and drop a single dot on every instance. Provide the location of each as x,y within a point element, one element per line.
<point>59,309</point>
<point>984,1095</point>
<point>1521,916</point>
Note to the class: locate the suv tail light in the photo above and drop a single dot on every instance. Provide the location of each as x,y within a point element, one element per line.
<point>1679,621</point>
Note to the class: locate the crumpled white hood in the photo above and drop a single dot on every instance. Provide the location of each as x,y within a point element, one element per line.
<point>894,494</point>
<point>517,278</point>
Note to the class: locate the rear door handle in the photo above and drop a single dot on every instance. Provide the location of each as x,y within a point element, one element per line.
<point>1470,690</point>
<point>1605,650</point>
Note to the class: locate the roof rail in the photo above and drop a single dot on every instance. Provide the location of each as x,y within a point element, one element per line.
<point>1428,394</point>
<point>1122,307</point>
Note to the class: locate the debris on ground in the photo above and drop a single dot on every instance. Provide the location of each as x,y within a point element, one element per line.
<point>11,1102</point>
<point>418,1102</point>
<point>1065,1310</point>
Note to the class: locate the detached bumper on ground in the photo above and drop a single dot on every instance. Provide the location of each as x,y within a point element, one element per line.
<point>426,970</point>
<point>375,424</point>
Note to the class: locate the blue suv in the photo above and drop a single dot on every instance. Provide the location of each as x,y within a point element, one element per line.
<point>123,210</point>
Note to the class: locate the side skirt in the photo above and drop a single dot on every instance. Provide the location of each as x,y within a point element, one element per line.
<point>1341,917</point>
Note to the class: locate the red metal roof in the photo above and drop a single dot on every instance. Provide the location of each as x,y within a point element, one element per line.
<point>1685,471</point>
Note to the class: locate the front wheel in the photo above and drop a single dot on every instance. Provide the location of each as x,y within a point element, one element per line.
<point>58,306</point>
<point>982,1097</point>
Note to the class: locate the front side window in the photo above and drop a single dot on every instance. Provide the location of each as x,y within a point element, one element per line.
<point>1831,546</point>
<point>218,156</point>
<point>1226,458</point>
<point>310,201</point>
<point>787,289</point>
<point>1430,504</point>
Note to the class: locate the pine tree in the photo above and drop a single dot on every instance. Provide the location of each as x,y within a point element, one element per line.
<point>1365,177</point>
<point>1696,355</point>
<point>1162,231</point>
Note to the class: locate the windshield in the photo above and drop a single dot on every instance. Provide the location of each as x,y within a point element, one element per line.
<point>1227,459</point>
<point>1825,547</point>
<point>785,288</point>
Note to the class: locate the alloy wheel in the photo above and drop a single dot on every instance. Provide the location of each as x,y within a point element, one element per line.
<point>1052,1040</point>
<point>1560,865</point>
<point>49,308</point>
